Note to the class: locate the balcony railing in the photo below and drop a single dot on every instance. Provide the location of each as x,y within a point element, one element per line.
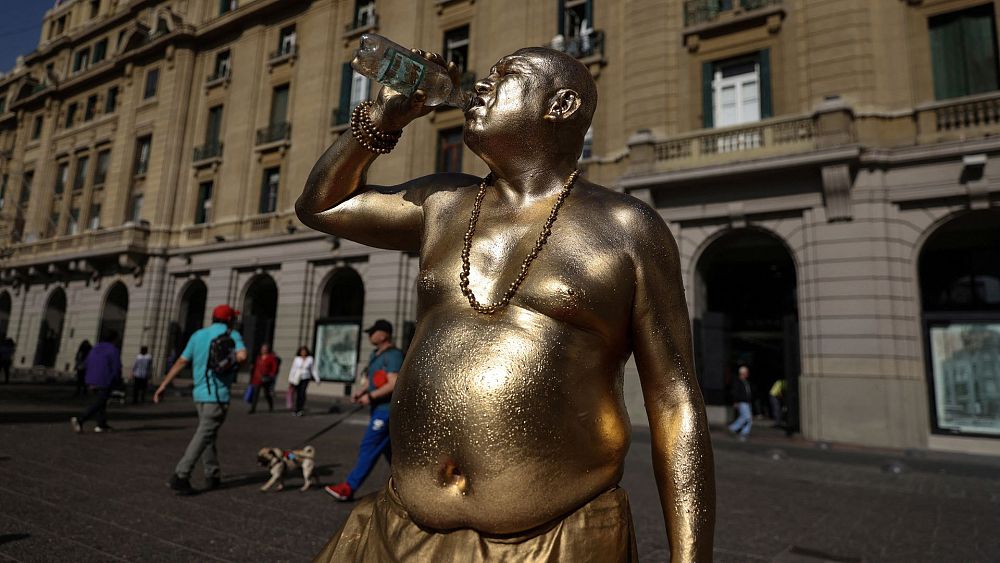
<point>280,131</point>
<point>218,76</point>
<point>704,11</point>
<point>773,137</point>
<point>112,240</point>
<point>207,151</point>
<point>959,118</point>
<point>283,52</point>
<point>581,46</point>
<point>361,25</point>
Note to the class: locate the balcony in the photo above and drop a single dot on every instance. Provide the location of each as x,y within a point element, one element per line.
<point>284,53</point>
<point>959,119</point>
<point>208,152</point>
<point>698,12</point>
<point>216,78</point>
<point>587,46</point>
<point>365,22</point>
<point>125,238</point>
<point>274,133</point>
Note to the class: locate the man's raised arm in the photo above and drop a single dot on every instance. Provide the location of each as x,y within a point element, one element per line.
<point>336,199</point>
<point>682,449</point>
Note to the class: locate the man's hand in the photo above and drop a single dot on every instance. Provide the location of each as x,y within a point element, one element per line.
<point>394,111</point>
<point>159,391</point>
<point>365,399</point>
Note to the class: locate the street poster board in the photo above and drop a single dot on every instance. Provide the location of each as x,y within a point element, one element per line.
<point>337,350</point>
<point>965,367</point>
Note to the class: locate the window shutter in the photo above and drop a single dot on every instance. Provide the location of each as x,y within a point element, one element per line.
<point>766,110</point>
<point>346,80</point>
<point>707,108</point>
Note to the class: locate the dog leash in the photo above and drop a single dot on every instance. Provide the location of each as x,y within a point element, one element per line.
<point>331,426</point>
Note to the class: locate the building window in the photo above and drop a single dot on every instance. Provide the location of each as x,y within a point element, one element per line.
<point>202,212</point>
<point>269,190</point>
<point>576,18</point>
<point>135,208</point>
<point>214,128</point>
<point>3,102</point>
<point>449,158</point>
<point>354,88</point>
<point>964,52</point>
<point>152,78</point>
<point>101,170</point>
<point>221,69</point>
<point>736,90</point>
<point>25,195</point>
<point>3,190</point>
<point>279,105</point>
<point>80,60</point>
<point>36,128</point>
<point>226,6</point>
<point>100,50</point>
<point>62,176</point>
<point>112,101</point>
<point>95,8</point>
<point>80,178</point>
<point>364,13</point>
<point>94,219</point>
<point>91,108</point>
<point>52,228</point>
<point>73,224</point>
<point>142,148</point>
<point>456,47</point>
<point>70,114</point>
<point>286,41</point>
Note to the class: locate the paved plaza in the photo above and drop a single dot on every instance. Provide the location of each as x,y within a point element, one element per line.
<point>102,497</point>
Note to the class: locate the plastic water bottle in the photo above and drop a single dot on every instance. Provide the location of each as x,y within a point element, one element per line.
<point>395,66</point>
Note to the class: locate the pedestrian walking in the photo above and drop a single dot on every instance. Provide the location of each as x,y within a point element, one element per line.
<point>80,365</point>
<point>375,390</point>
<point>777,398</point>
<point>142,368</point>
<point>103,369</point>
<point>265,371</point>
<point>214,353</point>
<point>302,372</point>
<point>741,400</point>
<point>7,348</point>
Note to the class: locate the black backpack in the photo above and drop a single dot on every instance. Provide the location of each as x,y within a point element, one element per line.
<point>222,355</point>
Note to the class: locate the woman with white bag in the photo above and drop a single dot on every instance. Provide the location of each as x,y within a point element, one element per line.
<point>303,370</point>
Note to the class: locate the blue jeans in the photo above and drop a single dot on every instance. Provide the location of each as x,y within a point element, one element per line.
<point>744,421</point>
<point>374,444</point>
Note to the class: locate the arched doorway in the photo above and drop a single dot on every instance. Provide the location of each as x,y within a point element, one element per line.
<point>959,272</point>
<point>50,331</point>
<point>5,306</point>
<point>343,297</point>
<point>260,308</point>
<point>114,313</point>
<point>190,316</point>
<point>746,295</point>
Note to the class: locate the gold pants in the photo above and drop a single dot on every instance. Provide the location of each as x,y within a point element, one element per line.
<point>380,530</point>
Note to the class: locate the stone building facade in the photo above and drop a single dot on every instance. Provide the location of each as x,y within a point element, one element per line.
<point>828,169</point>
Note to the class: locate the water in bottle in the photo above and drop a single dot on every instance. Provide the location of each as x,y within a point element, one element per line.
<point>396,67</point>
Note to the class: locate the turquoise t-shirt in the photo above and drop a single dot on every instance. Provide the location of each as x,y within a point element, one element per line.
<point>390,361</point>
<point>207,387</point>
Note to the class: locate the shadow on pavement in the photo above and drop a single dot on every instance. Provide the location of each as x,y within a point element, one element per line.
<point>8,538</point>
<point>64,415</point>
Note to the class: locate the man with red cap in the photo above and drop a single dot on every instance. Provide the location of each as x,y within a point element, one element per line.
<point>211,393</point>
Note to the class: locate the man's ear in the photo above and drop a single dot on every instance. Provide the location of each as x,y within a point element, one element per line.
<point>564,104</point>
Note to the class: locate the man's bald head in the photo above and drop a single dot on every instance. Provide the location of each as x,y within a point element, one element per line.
<point>563,71</point>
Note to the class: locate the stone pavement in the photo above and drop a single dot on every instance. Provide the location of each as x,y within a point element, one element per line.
<point>102,497</point>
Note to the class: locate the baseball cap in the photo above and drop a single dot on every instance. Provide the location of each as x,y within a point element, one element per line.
<point>380,324</point>
<point>224,313</point>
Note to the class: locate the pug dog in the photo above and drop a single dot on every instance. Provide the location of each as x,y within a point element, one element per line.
<point>279,461</point>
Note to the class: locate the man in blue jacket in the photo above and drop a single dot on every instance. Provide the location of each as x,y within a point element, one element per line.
<point>211,398</point>
<point>103,368</point>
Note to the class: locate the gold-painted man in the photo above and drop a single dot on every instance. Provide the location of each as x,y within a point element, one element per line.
<point>508,426</point>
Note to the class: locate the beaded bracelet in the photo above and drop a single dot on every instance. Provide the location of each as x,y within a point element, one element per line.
<point>367,134</point>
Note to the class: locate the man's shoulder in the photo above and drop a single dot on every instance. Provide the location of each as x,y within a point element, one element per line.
<point>626,214</point>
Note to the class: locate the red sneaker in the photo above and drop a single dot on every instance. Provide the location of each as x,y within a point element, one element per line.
<point>340,492</point>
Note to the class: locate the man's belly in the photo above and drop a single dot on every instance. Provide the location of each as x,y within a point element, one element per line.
<point>506,423</point>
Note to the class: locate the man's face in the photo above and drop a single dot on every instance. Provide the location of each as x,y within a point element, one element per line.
<point>510,102</point>
<point>378,337</point>
<point>744,373</point>
<point>264,349</point>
